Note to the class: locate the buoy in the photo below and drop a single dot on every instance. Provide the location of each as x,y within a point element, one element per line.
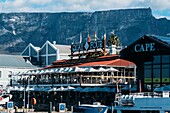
<point>33,101</point>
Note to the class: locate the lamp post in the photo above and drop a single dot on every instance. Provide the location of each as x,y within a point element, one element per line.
<point>61,98</point>
<point>28,92</point>
<point>24,98</point>
<point>24,92</point>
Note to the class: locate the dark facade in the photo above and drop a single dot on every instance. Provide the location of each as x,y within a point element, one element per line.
<point>151,54</point>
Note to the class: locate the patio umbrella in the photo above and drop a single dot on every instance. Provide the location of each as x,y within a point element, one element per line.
<point>70,69</point>
<point>87,89</point>
<point>126,88</point>
<point>101,69</point>
<point>61,89</point>
<point>134,88</point>
<point>14,88</point>
<point>46,71</point>
<point>164,88</point>
<point>78,89</point>
<point>112,69</point>
<point>77,69</point>
<point>21,89</point>
<point>66,69</point>
<point>51,70</point>
<point>53,89</point>
<point>40,89</point>
<point>37,72</point>
<point>28,72</point>
<point>22,73</point>
<point>56,70</point>
<point>42,72</point>
<point>33,72</point>
<point>60,70</point>
<point>90,69</point>
<point>69,88</point>
<point>30,89</point>
<point>106,89</point>
<point>97,89</point>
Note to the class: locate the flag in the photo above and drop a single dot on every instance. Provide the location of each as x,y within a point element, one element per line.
<point>104,44</point>
<point>80,37</point>
<point>104,37</point>
<point>95,36</point>
<point>88,38</point>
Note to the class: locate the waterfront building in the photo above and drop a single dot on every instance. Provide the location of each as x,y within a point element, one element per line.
<point>31,53</point>
<point>84,82</point>
<point>91,74</point>
<point>45,55</point>
<point>12,65</point>
<point>151,55</point>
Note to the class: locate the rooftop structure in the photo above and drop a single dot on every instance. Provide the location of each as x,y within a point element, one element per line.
<point>45,55</point>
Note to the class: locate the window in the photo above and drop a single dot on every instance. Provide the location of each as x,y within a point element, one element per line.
<point>165,73</point>
<point>156,59</point>
<point>0,74</point>
<point>147,73</point>
<point>165,59</point>
<point>10,74</point>
<point>156,75</point>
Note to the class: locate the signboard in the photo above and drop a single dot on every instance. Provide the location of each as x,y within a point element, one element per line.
<point>62,107</point>
<point>148,80</point>
<point>156,80</point>
<point>10,105</point>
<point>144,47</point>
<point>165,80</point>
<point>87,46</point>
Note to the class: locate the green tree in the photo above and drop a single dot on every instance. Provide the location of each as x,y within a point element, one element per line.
<point>113,40</point>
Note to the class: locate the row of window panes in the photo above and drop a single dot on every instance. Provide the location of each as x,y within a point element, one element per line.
<point>164,66</point>
<point>157,73</point>
<point>157,59</point>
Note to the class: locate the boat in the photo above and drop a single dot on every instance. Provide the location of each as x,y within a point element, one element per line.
<point>145,102</point>
<point>96,107</point>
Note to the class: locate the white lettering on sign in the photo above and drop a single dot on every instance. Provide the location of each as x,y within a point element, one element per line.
<point>95,45</point>
<point>144,47</point>
<point>87,46</point>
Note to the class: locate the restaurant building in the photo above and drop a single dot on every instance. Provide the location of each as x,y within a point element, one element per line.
<point>91,74</point>
<point>151,55</point>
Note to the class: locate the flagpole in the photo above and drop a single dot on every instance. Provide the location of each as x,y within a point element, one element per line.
<point>104,41</point>
<point>80,37</point>
<point>140,87</point>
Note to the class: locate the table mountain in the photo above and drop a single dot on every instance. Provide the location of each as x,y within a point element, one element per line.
<point>17,30</point>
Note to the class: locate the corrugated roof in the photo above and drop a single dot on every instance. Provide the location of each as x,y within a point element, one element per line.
<point>111,60</point>
<point>63,48</point>
<point>161,38</point>
<point>121,62</point>
<point>14,61</point>
<point>116,62</point>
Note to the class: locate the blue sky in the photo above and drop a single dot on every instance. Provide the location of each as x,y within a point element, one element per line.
<point>160,8</point>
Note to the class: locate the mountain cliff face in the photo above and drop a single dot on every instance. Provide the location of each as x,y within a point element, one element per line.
<point>17,30</point>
